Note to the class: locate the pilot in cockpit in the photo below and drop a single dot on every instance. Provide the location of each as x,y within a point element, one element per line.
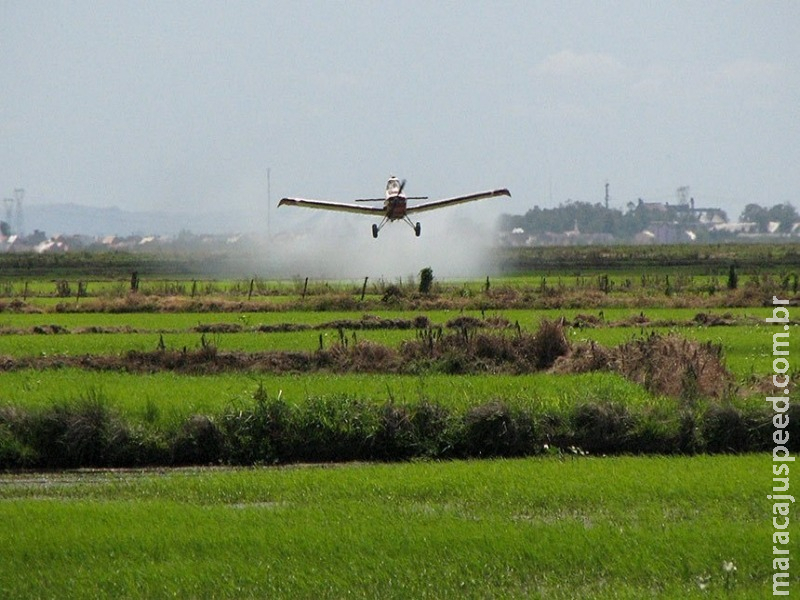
<point>392,186</point>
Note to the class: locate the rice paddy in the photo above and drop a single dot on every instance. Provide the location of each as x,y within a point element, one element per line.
<point>560,522</point>
<point>533,528</point>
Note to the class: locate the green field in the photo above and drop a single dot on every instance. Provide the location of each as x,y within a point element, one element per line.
<point>535,528</point>
<point>622,489</point>
<point>172,397</point>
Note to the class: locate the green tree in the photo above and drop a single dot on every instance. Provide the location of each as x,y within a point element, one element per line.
<point>755,213</point>
<point>733,278</point>
<point>425,280</point>
<point>785,214</point>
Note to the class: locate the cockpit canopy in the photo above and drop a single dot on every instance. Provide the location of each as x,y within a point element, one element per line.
<point>393,186</point>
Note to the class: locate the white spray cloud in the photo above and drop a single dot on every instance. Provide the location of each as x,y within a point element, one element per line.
<point>336,246</point>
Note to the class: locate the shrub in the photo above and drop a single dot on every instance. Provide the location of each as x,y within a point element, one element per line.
<point>690,437</point>
<point>425,280</point>
<point>396,437</point>
<point>602,428</point>
<point>793,428</point>
<point>436,430</point>
<point>546,345</point>
<point>495,430</point>
<point>85,434</point>
<point>258,433</point>
<point>199,442</point>
<point>727,429</point>
<point>393,293</point>
<point>13,453</point>
<point>339,428</point>
<point>733,278</point>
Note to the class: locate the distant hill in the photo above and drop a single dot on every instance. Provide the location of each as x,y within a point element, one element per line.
<point>77,219</point>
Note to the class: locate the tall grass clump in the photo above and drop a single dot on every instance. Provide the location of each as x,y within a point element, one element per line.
<point>729,429</point>
<point>341,427</point>
<point>419,430</point>
<point>337,428</point>
<point>85,433</point>
<point>494,429</point>
<point>469,350</point>
<point>257,433</point>
<point>198,441</point>
<point>603,428</point>
<point>14,454</point>
<point>668,365</point>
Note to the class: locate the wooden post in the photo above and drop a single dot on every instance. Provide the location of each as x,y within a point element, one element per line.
<point>364,288</point>
<point>305,287</point>
<point>250,293</point>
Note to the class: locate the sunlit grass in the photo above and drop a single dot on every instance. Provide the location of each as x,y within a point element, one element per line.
<point>170,398</point>
<point>537,528</point>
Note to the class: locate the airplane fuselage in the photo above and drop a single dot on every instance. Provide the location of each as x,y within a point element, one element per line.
<point>395,207</point>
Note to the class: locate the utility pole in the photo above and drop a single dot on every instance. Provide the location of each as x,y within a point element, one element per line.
<point>683,194</point>
<point>9,205</point>
<point>19,194</point>
<point>269,205</point>
<point>608,198</point>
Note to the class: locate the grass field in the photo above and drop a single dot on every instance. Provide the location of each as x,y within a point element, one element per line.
<point>170,398</point>
<point>677,501</point>
<point>534,528</point>
<point>747,350</point>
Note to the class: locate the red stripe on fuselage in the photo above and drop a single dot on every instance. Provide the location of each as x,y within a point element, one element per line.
<point>395,207</point>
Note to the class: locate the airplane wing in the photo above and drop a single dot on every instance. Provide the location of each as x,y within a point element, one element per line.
<point>457,200</point>
<point>338,206</point>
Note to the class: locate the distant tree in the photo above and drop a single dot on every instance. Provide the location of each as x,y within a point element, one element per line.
<point>733,278</point>
<point>785,214</point>
<point>425,280</point>
<point>755,213</point>
<point>5,229</point>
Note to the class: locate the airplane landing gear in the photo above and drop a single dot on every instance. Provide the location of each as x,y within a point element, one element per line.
<point>417,229</point>
<point>374,230</point>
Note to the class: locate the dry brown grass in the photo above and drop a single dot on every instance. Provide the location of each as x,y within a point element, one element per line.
<point>663,364</point>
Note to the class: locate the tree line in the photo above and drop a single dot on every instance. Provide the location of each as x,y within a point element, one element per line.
<point>596,218</point>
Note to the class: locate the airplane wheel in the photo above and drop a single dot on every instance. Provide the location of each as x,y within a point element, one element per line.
<point>417,229</point>
<point>375,230</point>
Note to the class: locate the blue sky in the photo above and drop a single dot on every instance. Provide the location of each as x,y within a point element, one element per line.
<point>185,105</point>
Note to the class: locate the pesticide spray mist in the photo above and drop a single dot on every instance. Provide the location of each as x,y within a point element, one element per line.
<point>336,247</point>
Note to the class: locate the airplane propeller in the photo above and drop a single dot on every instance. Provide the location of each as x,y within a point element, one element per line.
<point>399,193</point>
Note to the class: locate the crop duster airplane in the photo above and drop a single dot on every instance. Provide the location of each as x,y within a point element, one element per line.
<point>395,204</point>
